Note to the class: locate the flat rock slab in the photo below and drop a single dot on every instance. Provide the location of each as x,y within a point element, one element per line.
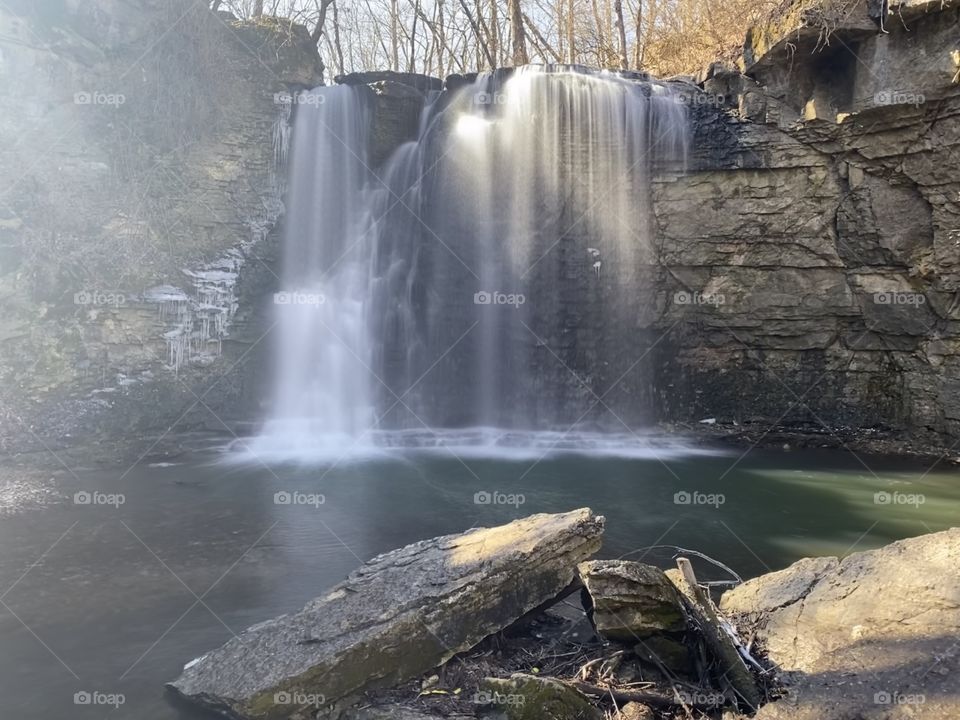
<point>875,635</point>
<point>631,600</point>
<point>401,614</point>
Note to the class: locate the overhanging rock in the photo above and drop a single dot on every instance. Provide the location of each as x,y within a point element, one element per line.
<point>402,613</point>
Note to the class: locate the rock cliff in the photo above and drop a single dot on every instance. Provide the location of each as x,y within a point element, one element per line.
<point>815,285</point>
<point>138,192</point>
<point>807,265</point>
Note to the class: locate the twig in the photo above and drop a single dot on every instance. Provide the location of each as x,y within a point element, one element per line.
<point>622,696</point>
<point>684,551</point>
<point>686,708</point>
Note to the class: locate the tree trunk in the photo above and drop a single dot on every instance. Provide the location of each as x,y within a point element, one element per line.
<point>638,43</point>
<point>518,33</point>
<point>571,34</point>
<point>495,31</point>
<point>618,10</point>
<point>411,61</point>
<point>336,39</point>
<point>322,7</point>
<point>394,36</point>
<point>257,8</point>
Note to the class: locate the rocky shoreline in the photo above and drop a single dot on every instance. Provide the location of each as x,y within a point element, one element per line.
<point>516,622</point>
<point>789,437</point>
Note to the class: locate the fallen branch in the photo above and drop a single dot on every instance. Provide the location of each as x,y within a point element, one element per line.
<point>719,642</point>
<point>623,696</point>
<point>737,580</point>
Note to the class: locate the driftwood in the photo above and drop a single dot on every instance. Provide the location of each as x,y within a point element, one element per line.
<point>623,696</point>
<point>715,633</point>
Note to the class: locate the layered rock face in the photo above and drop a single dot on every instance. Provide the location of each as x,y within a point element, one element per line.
<point>138,187</point>
<point>810,256</point>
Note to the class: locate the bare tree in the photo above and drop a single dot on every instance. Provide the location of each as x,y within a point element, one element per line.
<point>394,35</point>
<point>322,6</point>
<point>518,34</point>
<point>621,33</point>
<point>478,35</point>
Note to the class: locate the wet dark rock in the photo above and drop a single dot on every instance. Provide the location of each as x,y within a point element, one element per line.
<point>423,83</point>
<point>396,117</point>
<point>401,614</point>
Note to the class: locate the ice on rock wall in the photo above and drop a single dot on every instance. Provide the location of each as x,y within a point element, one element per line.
<point>199,319</point>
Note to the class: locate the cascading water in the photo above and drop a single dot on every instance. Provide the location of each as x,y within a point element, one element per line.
<point>322,392</point>
<point>494,273</point>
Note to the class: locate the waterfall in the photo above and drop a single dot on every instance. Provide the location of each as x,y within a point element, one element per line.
<point>322,392</point>
<point>494,273</point>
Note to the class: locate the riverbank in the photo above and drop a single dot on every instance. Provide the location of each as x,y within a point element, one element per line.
<point>872,635</point>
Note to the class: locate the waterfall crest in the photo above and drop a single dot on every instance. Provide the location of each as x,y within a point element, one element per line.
<point>493,273</point>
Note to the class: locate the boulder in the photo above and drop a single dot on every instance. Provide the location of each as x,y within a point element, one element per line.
<point>631,600</point>
<point>636,711</point>
<point>401,614</point>
<point>527,697</point>
<point>874,635</point>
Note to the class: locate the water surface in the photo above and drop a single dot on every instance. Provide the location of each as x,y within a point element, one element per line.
<point>116,598</point>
